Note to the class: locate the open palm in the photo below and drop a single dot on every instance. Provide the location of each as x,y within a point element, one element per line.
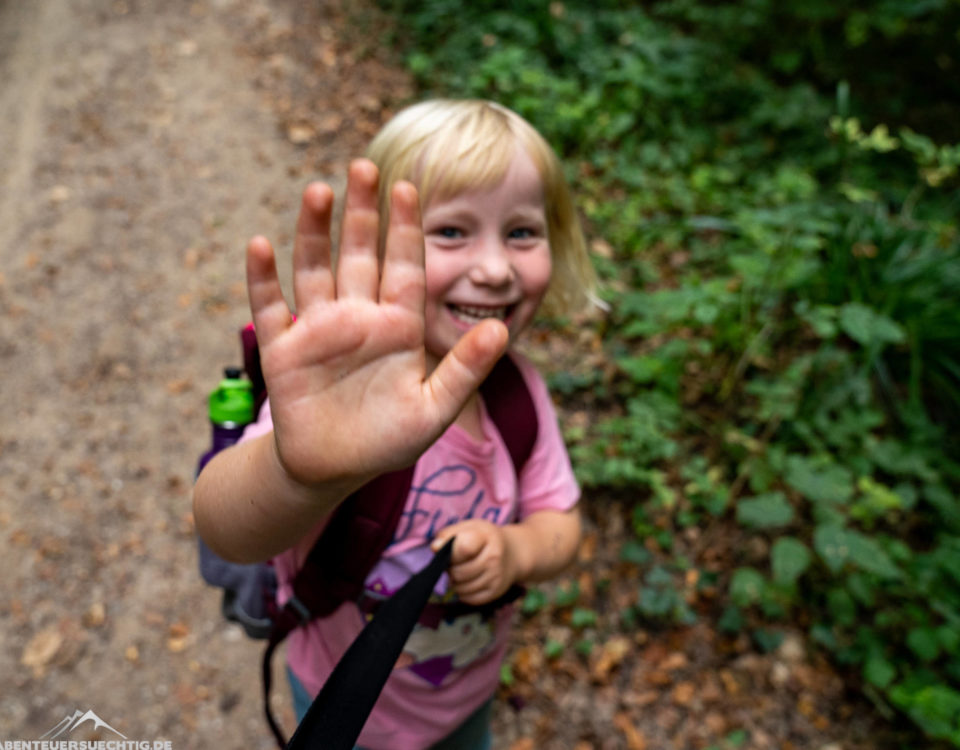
<point>349,390</point>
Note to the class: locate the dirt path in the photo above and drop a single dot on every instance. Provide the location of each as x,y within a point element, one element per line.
<point>141,143</point>
<point>140,149</point>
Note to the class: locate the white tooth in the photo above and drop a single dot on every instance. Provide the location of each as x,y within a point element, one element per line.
<point>480,313</point>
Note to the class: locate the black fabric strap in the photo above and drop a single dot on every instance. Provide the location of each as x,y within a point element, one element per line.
<point>339,711</point>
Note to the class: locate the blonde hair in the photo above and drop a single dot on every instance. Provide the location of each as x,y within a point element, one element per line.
<point>446,147</point>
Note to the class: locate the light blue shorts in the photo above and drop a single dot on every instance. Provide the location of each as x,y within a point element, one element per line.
<point>473,734</point>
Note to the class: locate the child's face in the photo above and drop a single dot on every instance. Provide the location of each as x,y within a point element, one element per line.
<point>487,255</point>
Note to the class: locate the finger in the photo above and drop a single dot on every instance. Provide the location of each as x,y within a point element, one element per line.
<point>403,279</point>
<point>358,273</point>
<point>464,367</point>
<point>467,546</point>
<point>271,316</point>
<point>441,539</point>
<point>468,572</point>
<point>467,542</point>
<point>312,276</point>
<point>477,592</point>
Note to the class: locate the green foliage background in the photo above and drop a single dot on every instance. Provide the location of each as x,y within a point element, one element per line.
<point>778,185</point>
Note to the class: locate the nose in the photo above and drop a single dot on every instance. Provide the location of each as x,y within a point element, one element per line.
<point>491,263</point>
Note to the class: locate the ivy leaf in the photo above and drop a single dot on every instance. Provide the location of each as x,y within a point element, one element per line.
<point>789,559</point>
<point>933,707</point>
<point>837,546</point>
<point>765,511</point>
<point>731,621</point>
<point>553,649</point>
<point>567,596</point>
<point>830,542</point>
<point>642,369</point>
<point>819,481</point>
<point>583,618</point>
<point>878,671</point>
<point>746,586</point>
<point>767,640</point>
<point>634,552</point>
<point>868,327</point>
<point>924,643</point>
<point>949,638</point>
<point>533,602</point>
<point>867,554</point>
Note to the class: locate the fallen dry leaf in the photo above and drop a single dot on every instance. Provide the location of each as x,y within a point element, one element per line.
<point>683,693</point>
<point>612,653</point>
<point>191,258</point>
<point>806,707</point>
<point>95,616</point>
<point>176,645</point>
<point>659,677</point>
<point>716,723</point>
<point>300,135</point>
<point>527,662</point>
<point>639,700</point>
<point>180,385</point>
<point>41,649</point>
<point>588,548</point>
<point>601,248</point>
<point>730,683</point>
<point>673,662</point>
<point>635,740</point>
<point>59,193</point>
<point>185,694</point>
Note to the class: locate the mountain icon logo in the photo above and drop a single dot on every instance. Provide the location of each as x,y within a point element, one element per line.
<point>69,724</point>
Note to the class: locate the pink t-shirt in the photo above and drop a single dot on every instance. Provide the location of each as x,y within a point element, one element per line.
<point>447,671</point>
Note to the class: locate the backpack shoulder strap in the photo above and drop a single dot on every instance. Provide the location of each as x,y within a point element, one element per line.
<point>251,365</point>
<point>510,406</point>
<point>337,565</point>
<point>360,529</point>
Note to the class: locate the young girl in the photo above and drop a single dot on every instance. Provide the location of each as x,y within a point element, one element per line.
<point>380,369</point>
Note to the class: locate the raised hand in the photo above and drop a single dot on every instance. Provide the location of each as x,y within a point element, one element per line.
<point>349,389</point>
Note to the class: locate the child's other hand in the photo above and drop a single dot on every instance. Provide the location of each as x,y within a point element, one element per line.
<point>349,392</point>
<point>483,564</point>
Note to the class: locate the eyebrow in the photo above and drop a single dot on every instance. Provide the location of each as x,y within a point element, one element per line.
<point>518,213</point>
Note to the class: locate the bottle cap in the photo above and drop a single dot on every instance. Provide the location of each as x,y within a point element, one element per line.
<point>231,403</point>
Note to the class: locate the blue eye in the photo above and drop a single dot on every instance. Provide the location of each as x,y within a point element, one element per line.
<point>449,233</point>
<point>522,233</point>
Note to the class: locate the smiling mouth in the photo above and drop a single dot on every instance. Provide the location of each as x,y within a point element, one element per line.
<point>472,314</point>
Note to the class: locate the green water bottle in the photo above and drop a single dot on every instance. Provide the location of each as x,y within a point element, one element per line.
<point>230,411</point>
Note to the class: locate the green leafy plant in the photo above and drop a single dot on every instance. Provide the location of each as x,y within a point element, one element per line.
<point>782,269</point>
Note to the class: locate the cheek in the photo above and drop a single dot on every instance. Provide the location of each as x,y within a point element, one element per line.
<point>536,271</point>
<point>436,277</point>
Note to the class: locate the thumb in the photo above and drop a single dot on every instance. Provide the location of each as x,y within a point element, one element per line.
<point>465,366</point>
<point>467,545</point>
<point>440,540</point>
